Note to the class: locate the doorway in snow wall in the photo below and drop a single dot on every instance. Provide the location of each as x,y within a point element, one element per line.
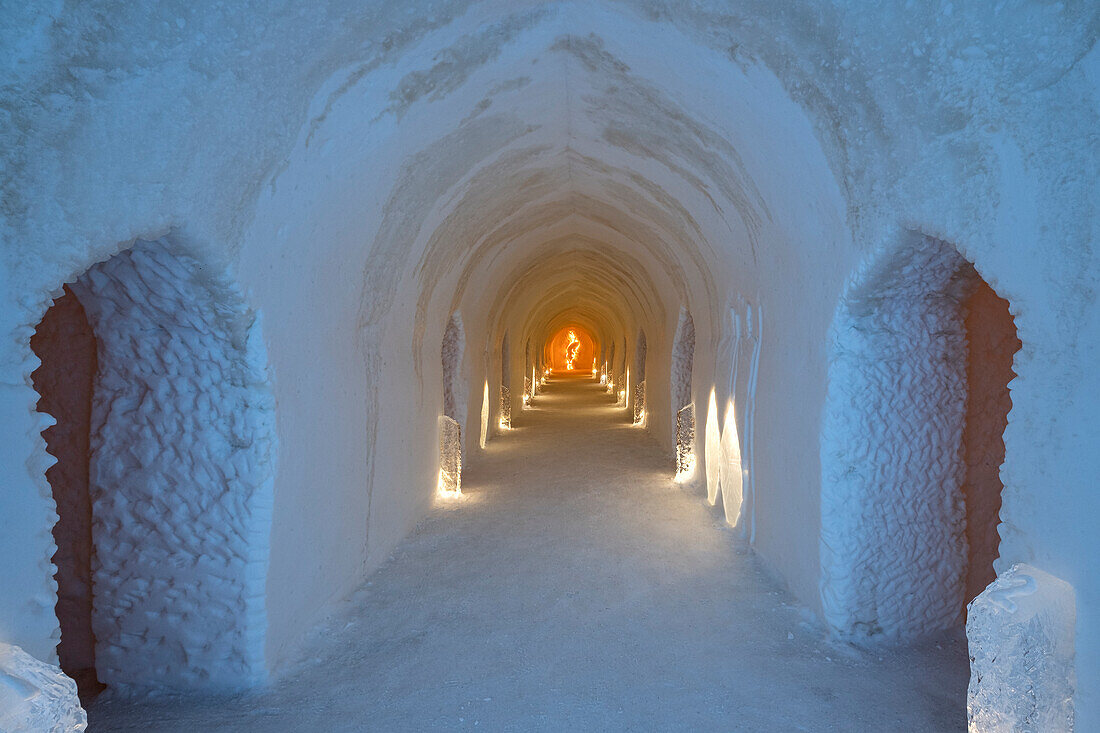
<point>912,443</point>
<point>165,444</point>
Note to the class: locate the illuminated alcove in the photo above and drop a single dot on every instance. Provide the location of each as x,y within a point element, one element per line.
<point>924,359</point>
<point>163,435</point>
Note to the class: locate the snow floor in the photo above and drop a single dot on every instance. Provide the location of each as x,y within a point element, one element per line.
<point>575,587</point>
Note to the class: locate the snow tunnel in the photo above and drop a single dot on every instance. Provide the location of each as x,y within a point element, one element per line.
<point>703,190</point>
<point>164,446</point>
<point>924,351</point>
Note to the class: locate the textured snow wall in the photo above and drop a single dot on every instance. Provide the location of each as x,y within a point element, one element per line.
<point>685,441</point>
<point>893,549</point>
<point>452,351</point>
<point>66,346</point>
<point>528,376</point>
<point>683,360</point>
<point>505,407</point>
<point>36,697</point>
<point>612,378</point>
<point>640,350</point>
<point>639,403</point>
<point>182,460</point>
<point>450,455</point>
<point>454,344</point>
<point>991,343</point>
<point>1021,636</point>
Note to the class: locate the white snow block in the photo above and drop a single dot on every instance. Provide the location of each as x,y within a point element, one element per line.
<point>36,696</point>
<point>505,407</point>
<point>685,441</point>
<point>450,455</point>
<point>639,403</point>
<point>1020,632</point>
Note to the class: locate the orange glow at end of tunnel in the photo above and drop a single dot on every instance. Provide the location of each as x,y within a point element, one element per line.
<point>570,349</point>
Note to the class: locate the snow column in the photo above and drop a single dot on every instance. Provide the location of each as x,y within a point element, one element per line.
<point>683,359</point>
<point>454,406</point>
<point>893,549</point>
<point>181,469</point>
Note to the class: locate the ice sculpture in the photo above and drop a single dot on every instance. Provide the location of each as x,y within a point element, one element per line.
<point>35,696</point>
<point>450,456</point>
<point>685,443</point>
<point>571,350</point>
<point>1020,631</point>
<point>505,408</point>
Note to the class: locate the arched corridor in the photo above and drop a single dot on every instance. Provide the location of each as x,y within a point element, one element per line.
<point>734,319</point>
<point>569,558</point>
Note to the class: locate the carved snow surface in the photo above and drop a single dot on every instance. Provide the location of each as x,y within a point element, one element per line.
<point>455,390</point>
<point>893,549</point>
<point>1021,636</point>
<point>505,407</point>
<point>454,343</point>
<point>36,697</point>
<point>182,461</point>
<point>685,440</point>
<point>450,455</point>
<point>683,360</point>
<point>528,391</point>
<point>639,403</point>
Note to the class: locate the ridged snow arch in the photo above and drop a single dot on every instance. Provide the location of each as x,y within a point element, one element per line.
<point>180,473</point>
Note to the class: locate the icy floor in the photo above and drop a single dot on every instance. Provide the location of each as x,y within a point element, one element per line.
<point>576,588</point>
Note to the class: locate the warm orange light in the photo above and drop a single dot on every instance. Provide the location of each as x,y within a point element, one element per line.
<point>570,349</point>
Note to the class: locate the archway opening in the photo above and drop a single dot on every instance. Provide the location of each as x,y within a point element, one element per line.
<point>66,345</point>
<point>154,371</point>
<point>991,344</point>
<point>571,349</point>
<point>921,369</point>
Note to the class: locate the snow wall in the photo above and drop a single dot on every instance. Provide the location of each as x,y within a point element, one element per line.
<point>364,172</point>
